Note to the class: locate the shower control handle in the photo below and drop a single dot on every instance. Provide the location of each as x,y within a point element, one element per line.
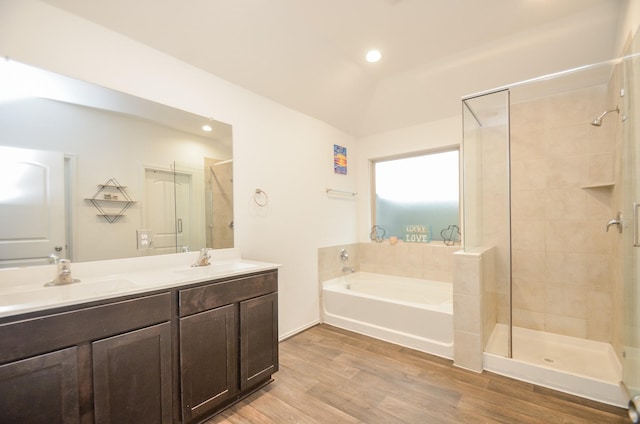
<point>616,221</point>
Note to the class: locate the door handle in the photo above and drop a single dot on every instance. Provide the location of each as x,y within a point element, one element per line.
<point>636,243</point>
<point>180,226</point>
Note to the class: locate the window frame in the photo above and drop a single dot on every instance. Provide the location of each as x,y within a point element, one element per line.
<point>407,155</point>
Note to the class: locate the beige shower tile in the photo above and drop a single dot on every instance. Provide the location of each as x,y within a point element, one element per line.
<point>528,204</point>
<point>528,234</point>
<point>528,263</point>
<point>529,175</point>
<point>566,300</point>
<point>467,313</point>
<point>599,204</point>
<point>599,272</point>
<point>466,275</point>
<point>529,294</point>
<point>438,264</point>
<point>467,350</point>
<point>600,304</point>
<point>528,116</point>
<point>567,108</point>
<point>567,171</point>
<point>566,203</point>
<point>568,140</point>
<point>600,139</point>
<point>528,319</point>
<point>600,168</point>
<point>527,145</point>
<point>599,240</point>
<point>567,236</point>
<point>600,330</point>
<point>600,320</point>
<point>574,327</point>
<point>567,268</point>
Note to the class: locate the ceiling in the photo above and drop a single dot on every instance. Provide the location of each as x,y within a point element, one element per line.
<point>309,54</point>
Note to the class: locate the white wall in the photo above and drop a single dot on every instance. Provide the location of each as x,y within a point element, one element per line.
<point>418,138</point>
<point>284,153</point>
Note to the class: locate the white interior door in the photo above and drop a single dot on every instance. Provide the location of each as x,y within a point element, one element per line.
<point>184,217</point>
<point>32,206</point>
<point>168,210</point>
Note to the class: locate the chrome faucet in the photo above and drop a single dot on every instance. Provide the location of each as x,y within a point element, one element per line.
<point>348,269</point>
<point>64,274</point>
<point>203,260</point>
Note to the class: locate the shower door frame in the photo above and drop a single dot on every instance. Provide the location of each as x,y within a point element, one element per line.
<point>509,275</point>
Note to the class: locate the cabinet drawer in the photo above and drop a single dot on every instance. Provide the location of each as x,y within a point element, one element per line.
<point>30,337</point>
<point>210,296</point>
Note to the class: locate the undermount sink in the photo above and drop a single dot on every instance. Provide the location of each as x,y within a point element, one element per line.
<point>215,269</point>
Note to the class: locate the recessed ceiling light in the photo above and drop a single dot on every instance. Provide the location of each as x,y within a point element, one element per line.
<point>373,56</point>
<point>207,128</point>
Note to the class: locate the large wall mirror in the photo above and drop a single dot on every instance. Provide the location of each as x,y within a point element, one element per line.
<point>88,173</point>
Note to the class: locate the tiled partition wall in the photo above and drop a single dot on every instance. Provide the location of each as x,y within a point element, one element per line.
<point>474,301</point>
<point>431,261</point>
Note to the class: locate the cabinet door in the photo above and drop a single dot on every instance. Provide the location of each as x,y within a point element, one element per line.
<point>258,339</point>
<point>132,377</point>
<point>208,360</point>
<point>42,389</point>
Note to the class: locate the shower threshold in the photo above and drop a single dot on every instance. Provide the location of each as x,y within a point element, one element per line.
<point>569,364</point>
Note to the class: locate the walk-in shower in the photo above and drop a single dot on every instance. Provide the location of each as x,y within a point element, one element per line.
<point>540,185</point>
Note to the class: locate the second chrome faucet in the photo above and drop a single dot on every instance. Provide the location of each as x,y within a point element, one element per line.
<point>203,259</point>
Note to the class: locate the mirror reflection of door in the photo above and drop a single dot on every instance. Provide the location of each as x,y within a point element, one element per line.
<point>219,203</point>
<point>170,232</point>
<point>32,206</point>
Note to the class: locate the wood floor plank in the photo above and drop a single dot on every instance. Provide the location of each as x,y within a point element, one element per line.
<point>333,376</point>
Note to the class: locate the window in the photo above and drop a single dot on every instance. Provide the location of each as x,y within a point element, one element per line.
<point>416,195</point>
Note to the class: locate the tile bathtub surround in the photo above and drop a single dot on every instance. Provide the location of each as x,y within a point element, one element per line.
<point>329,263</point>
<point>432,261</point>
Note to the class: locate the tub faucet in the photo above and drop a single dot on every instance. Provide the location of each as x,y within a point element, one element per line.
<point>64,274</point>
<point>203,260</point>
<point>348,269</point>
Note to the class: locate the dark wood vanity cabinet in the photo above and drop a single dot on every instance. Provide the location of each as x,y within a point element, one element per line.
<point>228,342</point>
<point>179,355</point>
<point>108,363</point>
<point>41,389</point>
<point>258,339</point>
<point>132,377</point>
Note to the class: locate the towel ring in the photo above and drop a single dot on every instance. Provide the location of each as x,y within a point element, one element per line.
<point>260,197</point>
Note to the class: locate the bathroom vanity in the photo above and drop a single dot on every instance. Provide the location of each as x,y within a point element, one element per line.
<point>178,350</point>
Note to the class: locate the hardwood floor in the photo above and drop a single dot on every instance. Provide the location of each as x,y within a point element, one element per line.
<point>329,375</point>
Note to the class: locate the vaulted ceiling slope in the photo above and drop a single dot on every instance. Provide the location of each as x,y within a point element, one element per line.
<point>309,54</point>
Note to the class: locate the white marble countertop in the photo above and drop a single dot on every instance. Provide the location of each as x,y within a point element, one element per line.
<point>23,290</point>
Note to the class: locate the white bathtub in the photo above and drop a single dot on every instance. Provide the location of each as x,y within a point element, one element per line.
<point>407,311</point>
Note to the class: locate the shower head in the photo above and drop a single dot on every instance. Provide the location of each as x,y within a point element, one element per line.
<point>598,121</point>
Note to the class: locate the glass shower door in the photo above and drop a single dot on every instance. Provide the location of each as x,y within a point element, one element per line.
<point>630,247</point>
